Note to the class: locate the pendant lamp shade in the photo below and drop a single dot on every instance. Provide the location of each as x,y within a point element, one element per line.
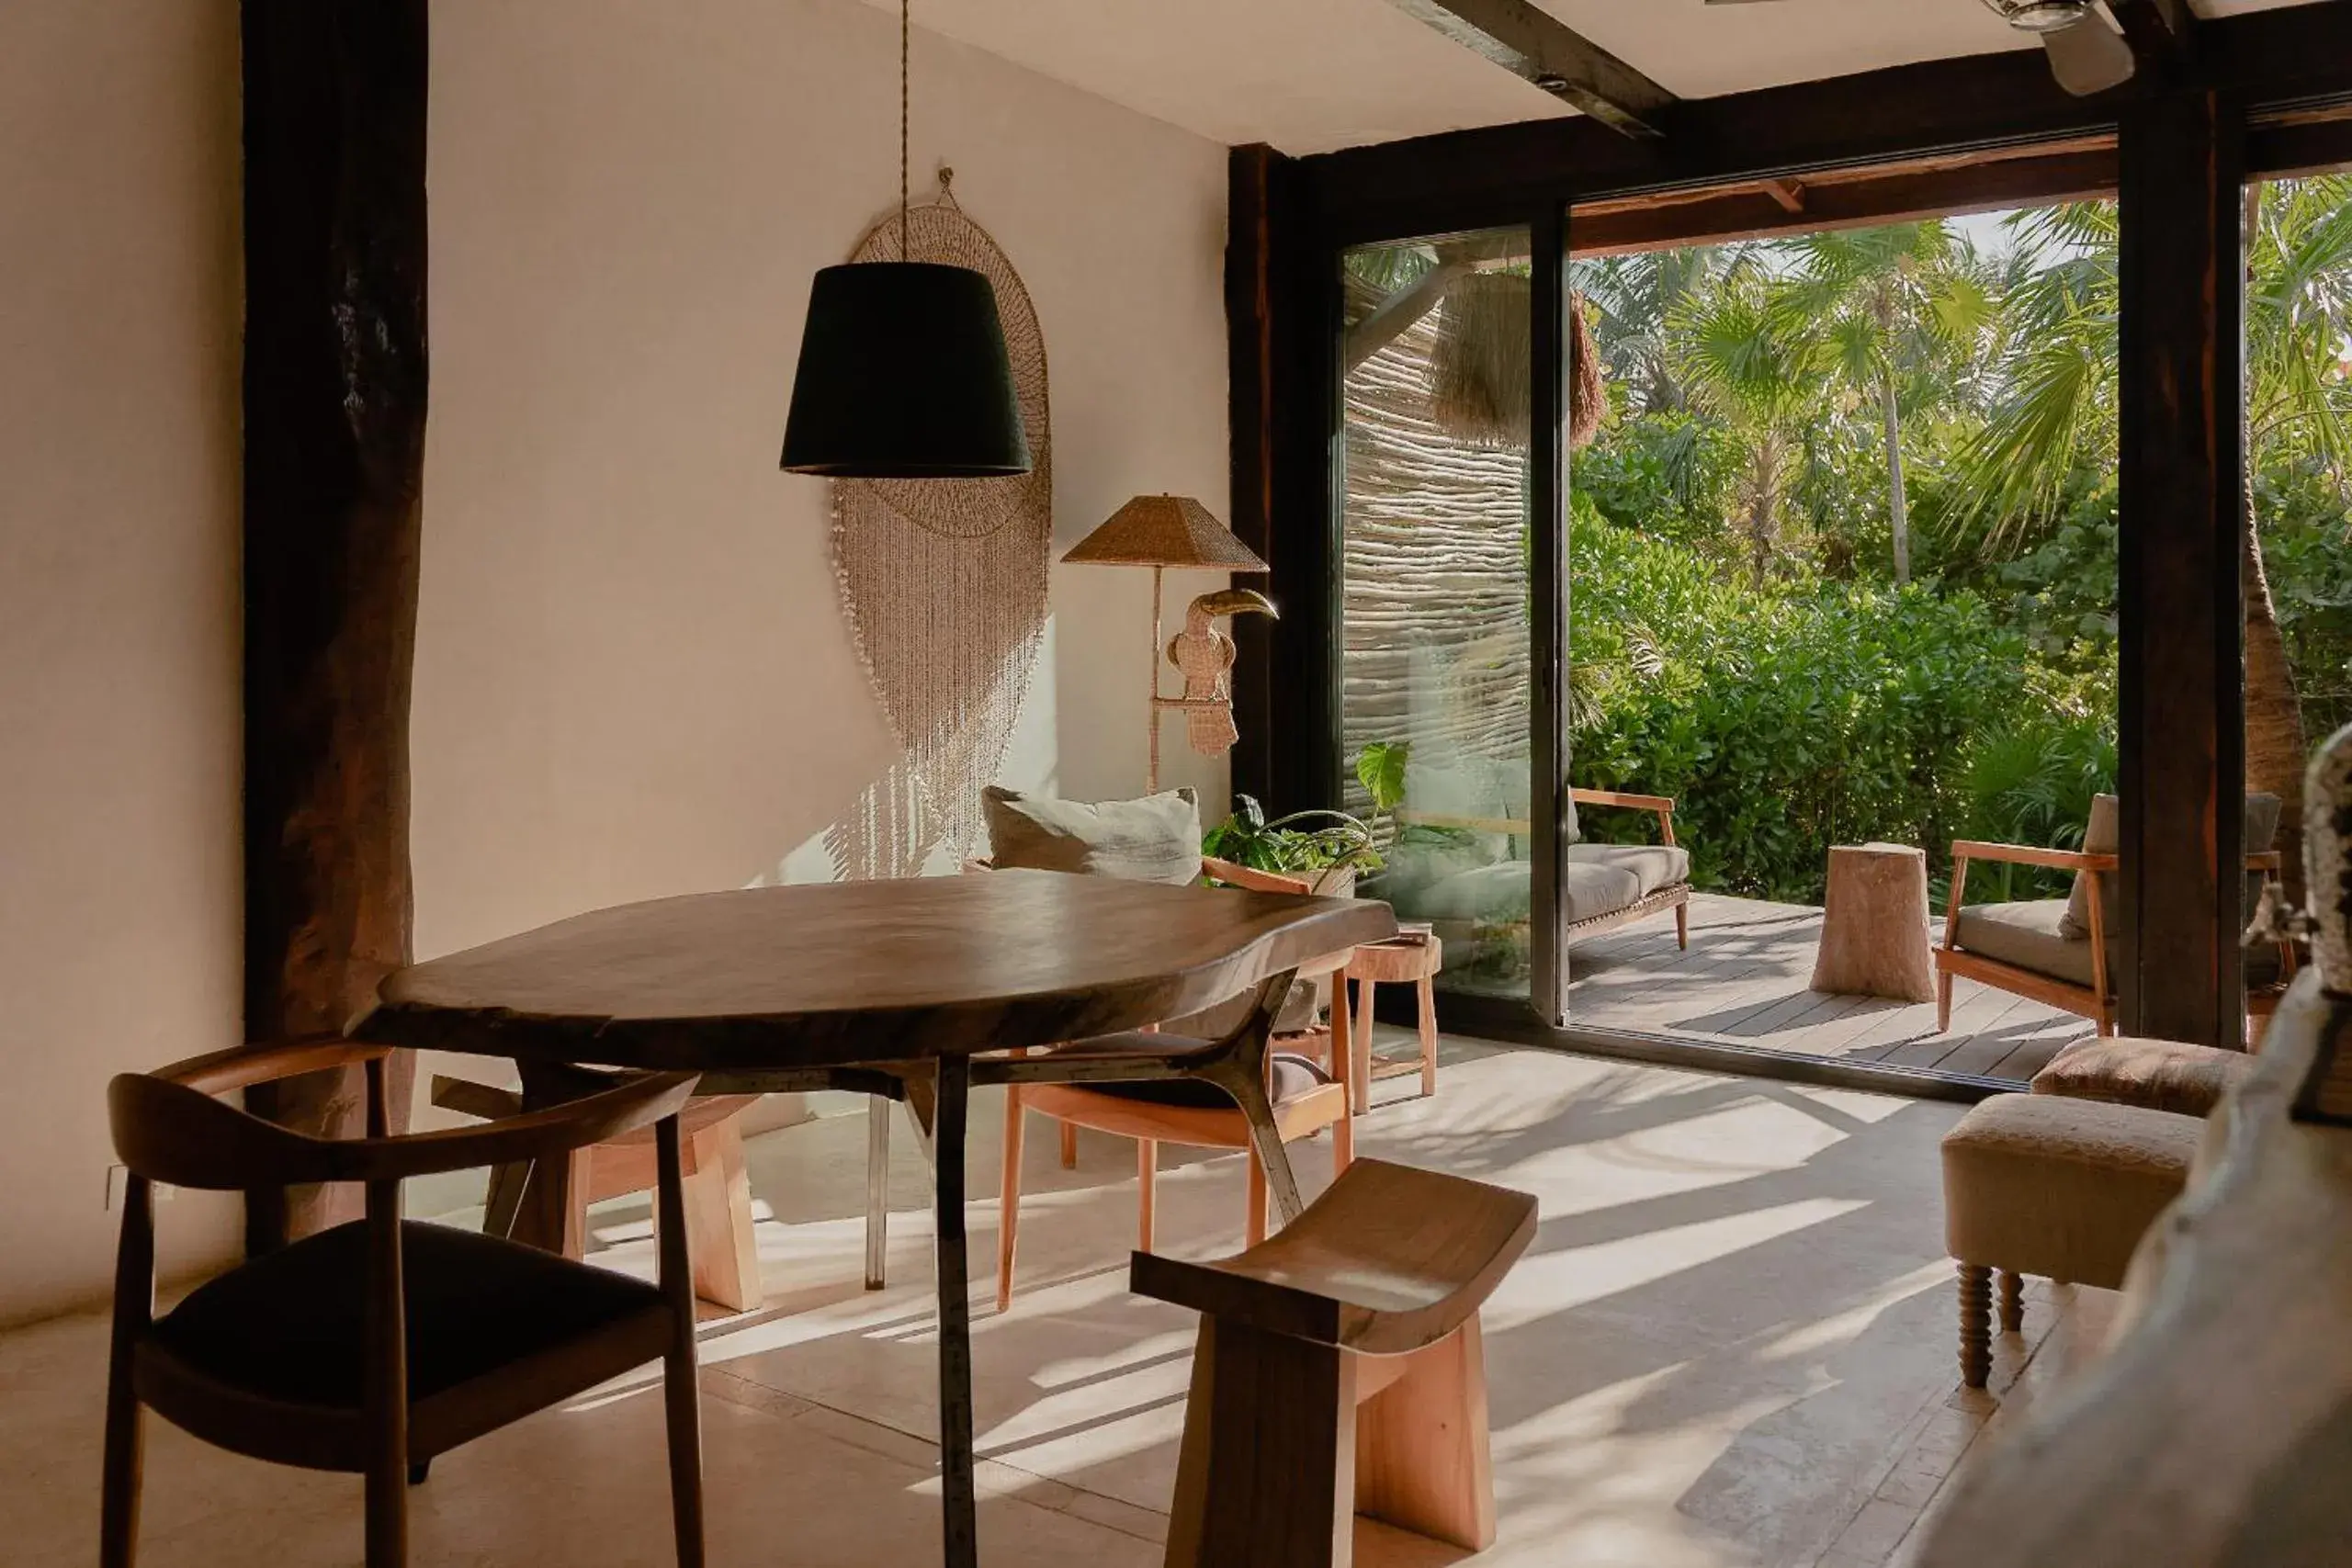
<point>903,375</point>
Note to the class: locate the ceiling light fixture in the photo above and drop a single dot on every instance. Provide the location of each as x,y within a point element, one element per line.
<point>903,373</point>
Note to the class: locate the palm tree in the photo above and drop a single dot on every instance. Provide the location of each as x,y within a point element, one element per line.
<point>1730,348</point>
<point>2058,411</point>
<point>1893,315</point>
<point>1632,299</point>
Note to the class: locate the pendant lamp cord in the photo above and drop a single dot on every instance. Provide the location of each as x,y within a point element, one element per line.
<point>905,7</point>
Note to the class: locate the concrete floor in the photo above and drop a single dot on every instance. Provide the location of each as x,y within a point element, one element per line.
<point>1732,1335</point>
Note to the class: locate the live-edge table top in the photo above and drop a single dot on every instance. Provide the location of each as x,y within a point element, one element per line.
<point>836,973</point>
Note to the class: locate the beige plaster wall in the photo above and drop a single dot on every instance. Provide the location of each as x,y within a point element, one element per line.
<point>632,675</point>
<point>120,893</point>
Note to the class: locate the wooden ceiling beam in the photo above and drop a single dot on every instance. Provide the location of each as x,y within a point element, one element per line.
<point>1537,47</point>
<point>1753,212</point>
<point>2161,33</point>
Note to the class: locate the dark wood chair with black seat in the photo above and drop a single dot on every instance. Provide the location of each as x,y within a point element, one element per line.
<point>374,1346</point>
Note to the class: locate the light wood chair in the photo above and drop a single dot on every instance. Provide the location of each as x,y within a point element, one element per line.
<point>374,1346</point>
<point>1339,1371</point>
<point>1307,1100</point>
<point>720,1221</point>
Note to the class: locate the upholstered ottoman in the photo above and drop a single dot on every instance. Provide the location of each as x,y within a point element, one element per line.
<point>2043,1184</point>
<point>2156,1075</point>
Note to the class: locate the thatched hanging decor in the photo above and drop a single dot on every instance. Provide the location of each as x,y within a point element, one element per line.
<point>1481,371</point>
<point>943,584</point>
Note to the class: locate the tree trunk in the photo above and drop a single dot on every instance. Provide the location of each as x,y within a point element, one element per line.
<point>2276,747</point>
<point>1899,504</point>
<point>334,402</point>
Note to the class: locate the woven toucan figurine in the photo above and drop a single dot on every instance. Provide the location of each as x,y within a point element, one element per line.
<point>1206,655</point>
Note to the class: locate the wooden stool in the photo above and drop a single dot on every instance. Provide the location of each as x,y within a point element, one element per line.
<point>1874,925</point>
<point>725,1253</point>
<point>1413,960</point>
<point>1339,1371</point>
<point>2042,1184</point>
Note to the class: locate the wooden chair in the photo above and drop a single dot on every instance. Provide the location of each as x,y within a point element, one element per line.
<point>374,1346</point>
<point>2021,948</point>
<point>1307,1100</point>
<point>719,1222</point>
<point>1339,1371</point>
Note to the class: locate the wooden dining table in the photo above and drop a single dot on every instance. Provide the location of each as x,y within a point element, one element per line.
<point>898,985</point>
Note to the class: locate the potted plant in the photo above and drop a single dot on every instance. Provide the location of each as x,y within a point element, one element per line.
<point>1325,848</point>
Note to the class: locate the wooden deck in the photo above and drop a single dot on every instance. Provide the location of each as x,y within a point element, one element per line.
<point>1743,982</point>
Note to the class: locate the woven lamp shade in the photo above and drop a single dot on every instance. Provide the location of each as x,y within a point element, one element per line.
<point>1164,530</point>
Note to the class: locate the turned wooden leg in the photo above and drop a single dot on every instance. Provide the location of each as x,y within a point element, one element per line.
<point>1976,1324</point>
<point>1683,927</point>
<point>1254,1229</point>
<point>2012,1301</point>
<point>1943,1001</point>
<point>1008,1198</point>
<point>1266,1474</point>
<point>1428,988</point>
<point>1146,1190</point>
<point>1069,1145</point>
<point>719,1228</point>
<point>119,1517</point>
<point>1343,1041</point>
<point>1423,1462</point>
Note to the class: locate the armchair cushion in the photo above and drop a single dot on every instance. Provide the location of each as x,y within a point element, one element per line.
<point>292,1324</point>
<point>1654,865</point>
<point>1157,838</point>
<point>1289,1075</point>
<point>2103,834</point>
<point>2029,935</point>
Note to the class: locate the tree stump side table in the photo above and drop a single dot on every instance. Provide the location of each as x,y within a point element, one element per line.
<point>1874,925</point>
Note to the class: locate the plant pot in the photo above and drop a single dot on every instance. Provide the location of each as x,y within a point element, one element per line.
<point>1333,881</point>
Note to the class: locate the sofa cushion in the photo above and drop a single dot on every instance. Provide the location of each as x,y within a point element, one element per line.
<point>1654,865</point>
<point>1157,838</point>
<point>2028,935</point>
<point>1498,892</point>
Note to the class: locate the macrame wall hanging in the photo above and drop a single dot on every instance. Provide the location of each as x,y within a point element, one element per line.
<point>943,584</point>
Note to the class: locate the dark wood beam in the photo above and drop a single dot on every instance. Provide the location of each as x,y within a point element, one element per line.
<point>1281,323</point>
<point>334,399</point>
<point>2182,508</point>
<point>1497,174</point>
<point>1747,213</point>
<point>1537,47</point>
<point>2163,34</point>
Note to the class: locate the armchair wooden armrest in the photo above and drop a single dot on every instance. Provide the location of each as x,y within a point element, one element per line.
<point>1257,881</point>
<point>1964,849</point>
<point>1662,805</point>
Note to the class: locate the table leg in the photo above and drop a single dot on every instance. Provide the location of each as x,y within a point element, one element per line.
<point>958,1503</point>
<point>1242,1075</point>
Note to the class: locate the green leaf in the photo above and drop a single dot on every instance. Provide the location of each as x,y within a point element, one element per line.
<point>1380,768</point>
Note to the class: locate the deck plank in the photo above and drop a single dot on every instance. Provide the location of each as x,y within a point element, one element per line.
<point>1742,982</point>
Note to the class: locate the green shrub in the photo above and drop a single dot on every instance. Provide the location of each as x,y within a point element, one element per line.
<point>1788,717</point>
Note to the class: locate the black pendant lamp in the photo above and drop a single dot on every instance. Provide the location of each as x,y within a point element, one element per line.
<point>903,372</point>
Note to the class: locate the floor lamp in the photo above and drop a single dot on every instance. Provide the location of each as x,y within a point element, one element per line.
<point>1161,531</point>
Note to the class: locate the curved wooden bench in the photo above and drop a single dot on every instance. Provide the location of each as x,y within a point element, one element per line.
<point>1339,1371</point>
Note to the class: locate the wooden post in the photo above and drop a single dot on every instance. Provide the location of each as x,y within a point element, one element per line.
<point>1281,348</point>
<point>334,402</point>
<point>2183,519</point>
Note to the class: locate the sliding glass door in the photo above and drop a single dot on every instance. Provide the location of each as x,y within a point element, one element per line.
<point>1438,647</point>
